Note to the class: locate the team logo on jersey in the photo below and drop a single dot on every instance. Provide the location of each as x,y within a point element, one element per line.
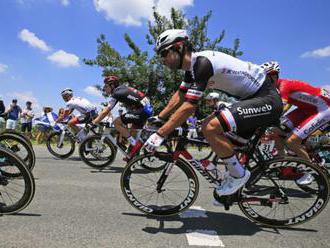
<point>254,111</point>
<point>314,125</point>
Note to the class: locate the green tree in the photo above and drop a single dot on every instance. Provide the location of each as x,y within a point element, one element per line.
<point>145,71</point>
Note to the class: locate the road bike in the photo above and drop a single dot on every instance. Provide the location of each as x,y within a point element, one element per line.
<point>18,145</point>
<point>100,150</point>
<point>62,141</point>
<point>17,186</point>
<point>270,197</point>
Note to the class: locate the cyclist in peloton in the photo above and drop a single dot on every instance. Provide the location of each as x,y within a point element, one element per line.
<point>311,113</point>
<point>138,106</point>
<point>259,105</point>
<point>213,100</point>
<point>86,109</point>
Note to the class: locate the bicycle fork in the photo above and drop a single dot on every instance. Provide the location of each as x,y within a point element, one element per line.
<point>163,177</point>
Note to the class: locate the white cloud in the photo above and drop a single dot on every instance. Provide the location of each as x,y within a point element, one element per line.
<point>3,67</point>
<point>91,90</point>
<point>64,59</point>
<point>318,53</point>
<point>65,2</point>
<point>29,37</point>
<point>138,10</point>
<point>164,6</point>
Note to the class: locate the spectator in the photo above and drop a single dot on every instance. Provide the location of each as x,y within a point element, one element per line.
<point>13,113</point>
<point>192,122</point>
<point>26,119</point>
<point>2,113</point>
<point>47,117</point>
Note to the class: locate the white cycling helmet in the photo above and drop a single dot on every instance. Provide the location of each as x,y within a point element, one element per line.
<point>212,96</point>
<point>271,67</point>
<point>170,37</point>
<point>67,91</point>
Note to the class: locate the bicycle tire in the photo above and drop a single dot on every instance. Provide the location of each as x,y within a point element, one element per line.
<point>272,171</point>
<point>54,135</point>
<point>131,172</point>
<point>83,153</point>
<point>25,175</point>
<point>18,134</point>
<point>29,158</point>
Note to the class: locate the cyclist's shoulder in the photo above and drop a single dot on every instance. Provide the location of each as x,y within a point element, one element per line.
<point>293,84</point>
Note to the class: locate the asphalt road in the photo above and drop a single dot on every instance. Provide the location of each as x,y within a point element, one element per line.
<point>77,206</point>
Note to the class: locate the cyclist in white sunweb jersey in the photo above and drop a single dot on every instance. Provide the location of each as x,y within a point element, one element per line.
<point>259,102</point>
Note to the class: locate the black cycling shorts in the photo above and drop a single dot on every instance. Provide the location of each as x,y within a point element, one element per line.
<point>263,109</point>
<point>137,117</point>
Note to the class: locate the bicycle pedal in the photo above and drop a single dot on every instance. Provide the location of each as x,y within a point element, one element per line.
<point>225,200</point>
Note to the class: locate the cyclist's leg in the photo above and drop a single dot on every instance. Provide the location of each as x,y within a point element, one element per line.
<point>288,122</point>
<point>137,118</point>
<point>242,117</point>
<point>304,129</point>
<point>72,124</point>
<point>120,127</point>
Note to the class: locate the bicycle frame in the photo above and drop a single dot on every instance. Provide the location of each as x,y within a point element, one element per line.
<point>249,149</point>
<point>107,135</point>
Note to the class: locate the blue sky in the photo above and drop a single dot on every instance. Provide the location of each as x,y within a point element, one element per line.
<point>43,42</point>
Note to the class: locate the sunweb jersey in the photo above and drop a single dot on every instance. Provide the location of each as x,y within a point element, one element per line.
<point>217,70</point>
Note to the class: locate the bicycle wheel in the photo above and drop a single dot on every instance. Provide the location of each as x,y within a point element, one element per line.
<point>96,152</point>
<point>273,198</point>
<point>18,134</point>
<point>63,150</point>
<point>164,148</point>
<point>17,186</point>
<point>159,192</point>
<point>20,147</point>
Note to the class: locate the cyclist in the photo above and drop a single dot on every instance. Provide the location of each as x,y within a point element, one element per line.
<point>138,107</point>
<point>259,105</point>
<point>86,109</point>
<point>213,100</point>
<point>312,110</point>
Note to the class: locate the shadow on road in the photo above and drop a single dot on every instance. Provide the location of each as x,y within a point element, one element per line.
<point>225,224</point>
<point>73,158</point>
<point>25,214</point>
<point>111,169</point>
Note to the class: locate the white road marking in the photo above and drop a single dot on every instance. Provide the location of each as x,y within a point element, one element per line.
<point>194,212</point>
<point>204,238</point>
<point>200,237</point>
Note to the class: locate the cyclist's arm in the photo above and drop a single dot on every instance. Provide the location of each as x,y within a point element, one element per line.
<point>112,102</point>
<point>102,115</point>
<point>203,71</point>
<point>176,100</point>
<point>63,115</point>
<point>178,118</point>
